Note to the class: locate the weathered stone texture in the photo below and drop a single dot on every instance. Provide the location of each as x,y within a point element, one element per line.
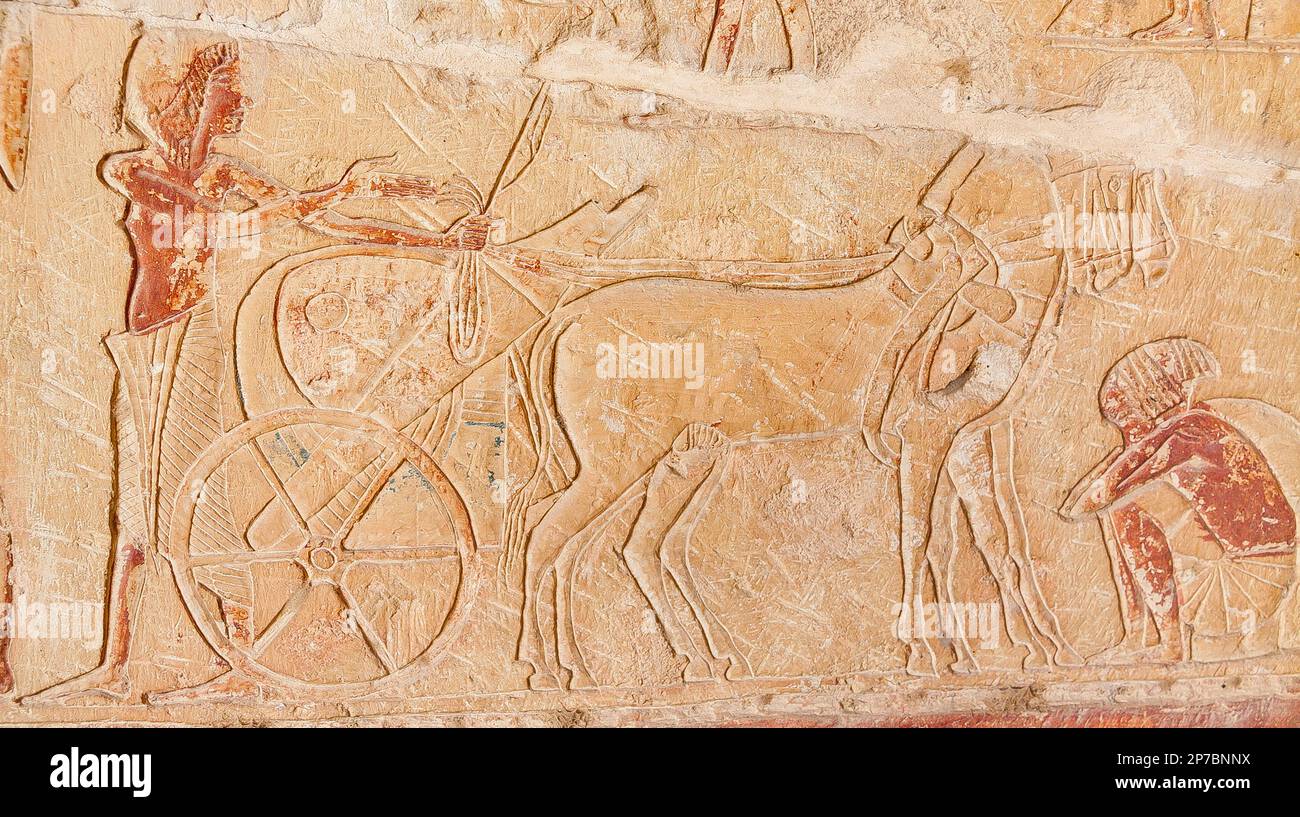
<point>632,362</point>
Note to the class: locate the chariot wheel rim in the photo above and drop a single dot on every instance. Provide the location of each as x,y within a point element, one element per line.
<point>406,450</point>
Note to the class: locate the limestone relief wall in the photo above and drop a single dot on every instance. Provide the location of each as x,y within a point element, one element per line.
<point>631,362</point>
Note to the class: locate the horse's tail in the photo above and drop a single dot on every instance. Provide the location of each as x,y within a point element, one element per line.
<point>556,465</point>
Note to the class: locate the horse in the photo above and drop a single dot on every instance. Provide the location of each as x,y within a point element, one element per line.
<point>952,409</point>
<point>786,364</point>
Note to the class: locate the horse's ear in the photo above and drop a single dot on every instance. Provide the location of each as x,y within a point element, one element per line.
<point>909,233</point>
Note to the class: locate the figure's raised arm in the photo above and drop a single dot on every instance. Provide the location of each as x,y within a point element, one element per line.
<point>363,180</point>
<point>472,234</point>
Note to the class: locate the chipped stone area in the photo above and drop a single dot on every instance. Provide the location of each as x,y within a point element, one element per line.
<point>649,362</point>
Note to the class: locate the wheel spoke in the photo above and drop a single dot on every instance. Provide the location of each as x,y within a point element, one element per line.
<point>282,619</point>
<point>273,479</point>
<point>242,557</point>
<point>399,553</point>
<point>377,645</point>
<point>393,460</point>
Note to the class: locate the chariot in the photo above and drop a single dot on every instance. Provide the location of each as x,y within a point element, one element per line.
<point>320,543</point>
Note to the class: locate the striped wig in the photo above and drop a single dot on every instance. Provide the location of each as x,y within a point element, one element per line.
<point>1154,378</point>
<point>180,121</point>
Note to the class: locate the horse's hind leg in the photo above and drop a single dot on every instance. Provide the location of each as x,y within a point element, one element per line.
<point>721,648</point>
<point>569,655</point>
<point>673,482</point>
<point>538,639</point>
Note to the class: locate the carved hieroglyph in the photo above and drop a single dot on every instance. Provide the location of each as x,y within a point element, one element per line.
<point>670,362</point>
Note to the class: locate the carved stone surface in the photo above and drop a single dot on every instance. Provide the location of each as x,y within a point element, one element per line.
<point>650,362</point>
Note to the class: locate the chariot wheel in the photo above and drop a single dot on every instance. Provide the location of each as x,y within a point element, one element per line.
<point>322,553</point>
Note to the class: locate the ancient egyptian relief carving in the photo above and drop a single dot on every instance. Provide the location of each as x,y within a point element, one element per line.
<point>323,443</point>
<point>1252,25</point>
<point>170,404</point>
<point>955,308</point>
<point>286,431</point>
<point>15,93</point>
<point>1198,510</point>
<point>725,34</point>
<point>949,424</point>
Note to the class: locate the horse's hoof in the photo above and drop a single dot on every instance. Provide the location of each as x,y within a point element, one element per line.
<point>1035,662</point>
<point>719,667</point>
<point>963,666</point>
<point>738,668</point>
<point>696,671</point>
<point>921,663</point>
<point>543,681</point>
<point>1066,656</point>
<point>581,679</point>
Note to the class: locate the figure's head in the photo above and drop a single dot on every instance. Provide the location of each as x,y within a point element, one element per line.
<point>1153,379</point>
<point>209,102</point>
<point>224,102</point>
<point>183,90</point>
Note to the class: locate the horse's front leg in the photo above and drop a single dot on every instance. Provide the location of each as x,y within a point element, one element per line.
<point>546,640</point>
<point>916,480</point>
<point>673,483</point>
<point>1028,593</point>
<point>641,555</point>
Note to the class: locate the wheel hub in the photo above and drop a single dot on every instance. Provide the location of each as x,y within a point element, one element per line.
<point>322,558</point>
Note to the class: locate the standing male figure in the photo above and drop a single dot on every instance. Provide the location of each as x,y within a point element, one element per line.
<point>168,397</point>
